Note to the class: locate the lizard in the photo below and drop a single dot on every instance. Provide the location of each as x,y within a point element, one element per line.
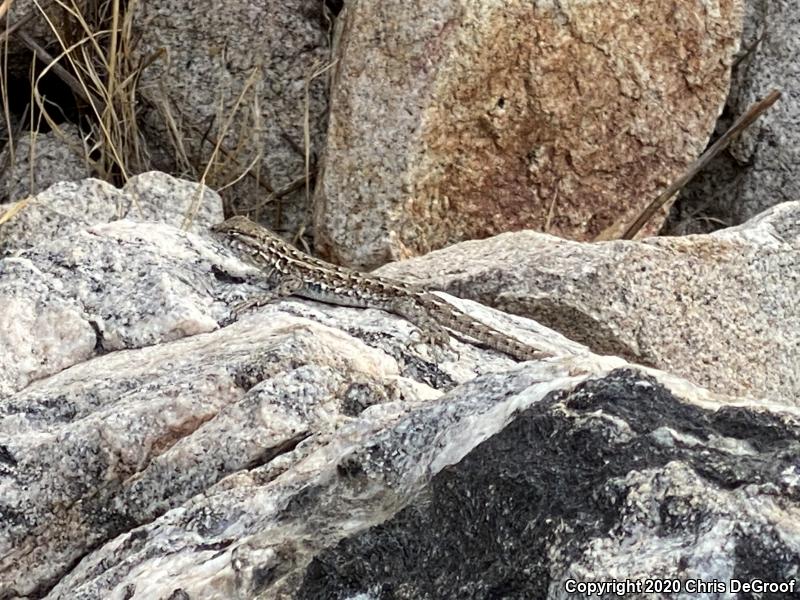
<point>291,272</point>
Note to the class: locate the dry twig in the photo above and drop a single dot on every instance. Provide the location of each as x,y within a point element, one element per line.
<point>750,115</point>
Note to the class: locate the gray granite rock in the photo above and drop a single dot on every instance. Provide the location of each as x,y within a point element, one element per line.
<point>40,161</point>
<point>213,53</point>
<point>74,205</point>
<point>150,450</point>
<point>126,285</point>
<point>512,484</point>
<point>718,309</point>
<point>80,295</point>
<point>198,59</point>
<point>156,196</point>
<point>762,167</point>
<point>122,399</point>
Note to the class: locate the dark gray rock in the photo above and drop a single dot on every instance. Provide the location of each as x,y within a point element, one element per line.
<point>502,488</point>
<point>762,167</point>
<point>616,479</point>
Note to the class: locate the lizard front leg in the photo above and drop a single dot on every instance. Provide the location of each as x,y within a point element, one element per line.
<point>285,287</point>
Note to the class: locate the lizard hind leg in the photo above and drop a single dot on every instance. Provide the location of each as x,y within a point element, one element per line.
<point>434,336</point>
<point>430,332</point>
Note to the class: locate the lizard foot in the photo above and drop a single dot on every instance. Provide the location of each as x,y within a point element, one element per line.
<point>435,337</point>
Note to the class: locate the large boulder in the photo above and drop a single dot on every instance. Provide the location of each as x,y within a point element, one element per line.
<point>249,75</point>
<point>313,451</point>
<point>460,119</point>
<point>718,309</point>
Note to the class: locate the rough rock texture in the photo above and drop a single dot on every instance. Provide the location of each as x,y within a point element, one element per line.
<point>762,167</point>
<point>312,451</point>
<point>614,479</point>
<point>719,309</point>
<point>112,287</point>
<point>93,447</point>
<point>57,157</point>
<point>452,120</point>
<point>284,461</point>
<point>79,296</point>
<point>212,49</point>
<point>200,56</point>
<point>71,206</point>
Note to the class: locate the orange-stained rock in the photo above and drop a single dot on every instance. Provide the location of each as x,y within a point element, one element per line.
<point>461,119</point>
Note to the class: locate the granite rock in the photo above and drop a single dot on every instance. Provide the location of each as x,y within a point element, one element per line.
<point>455,120</point>
<point>122,398</point>
<point>313,451</point>
<point>214,53</point>
<point>718,309</point>
<point>57,157</point>
<point>70,206</point>
<point>258,482</point>
<point>616,479</point>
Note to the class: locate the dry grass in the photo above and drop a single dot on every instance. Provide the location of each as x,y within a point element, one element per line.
<point>212,161</point>
<point>95,63</point>
<point>102,74</point>
<point>95,58</point>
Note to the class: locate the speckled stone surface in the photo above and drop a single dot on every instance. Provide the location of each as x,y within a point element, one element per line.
<point>720,309</point>
<point>254,481</point>
<point>126,285</point>
<point>70,206</point>
<point>121,397</point>
<point>149,448</point>
<point>213,51</point>
<point>616,479</point>
<point>56,158</point>
<point>81,295</point>
<point>762,166</point>
<point>453,120</point>
<point>199,56</point>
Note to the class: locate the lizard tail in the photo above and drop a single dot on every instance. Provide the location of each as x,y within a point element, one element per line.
<point>460,322</point>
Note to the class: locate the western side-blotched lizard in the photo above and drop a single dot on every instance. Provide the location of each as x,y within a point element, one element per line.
<point>292,272</point>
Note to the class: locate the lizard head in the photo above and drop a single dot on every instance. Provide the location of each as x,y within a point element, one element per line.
<point>244,230</point>
<point>242,233</point>
<point>238,225</point>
